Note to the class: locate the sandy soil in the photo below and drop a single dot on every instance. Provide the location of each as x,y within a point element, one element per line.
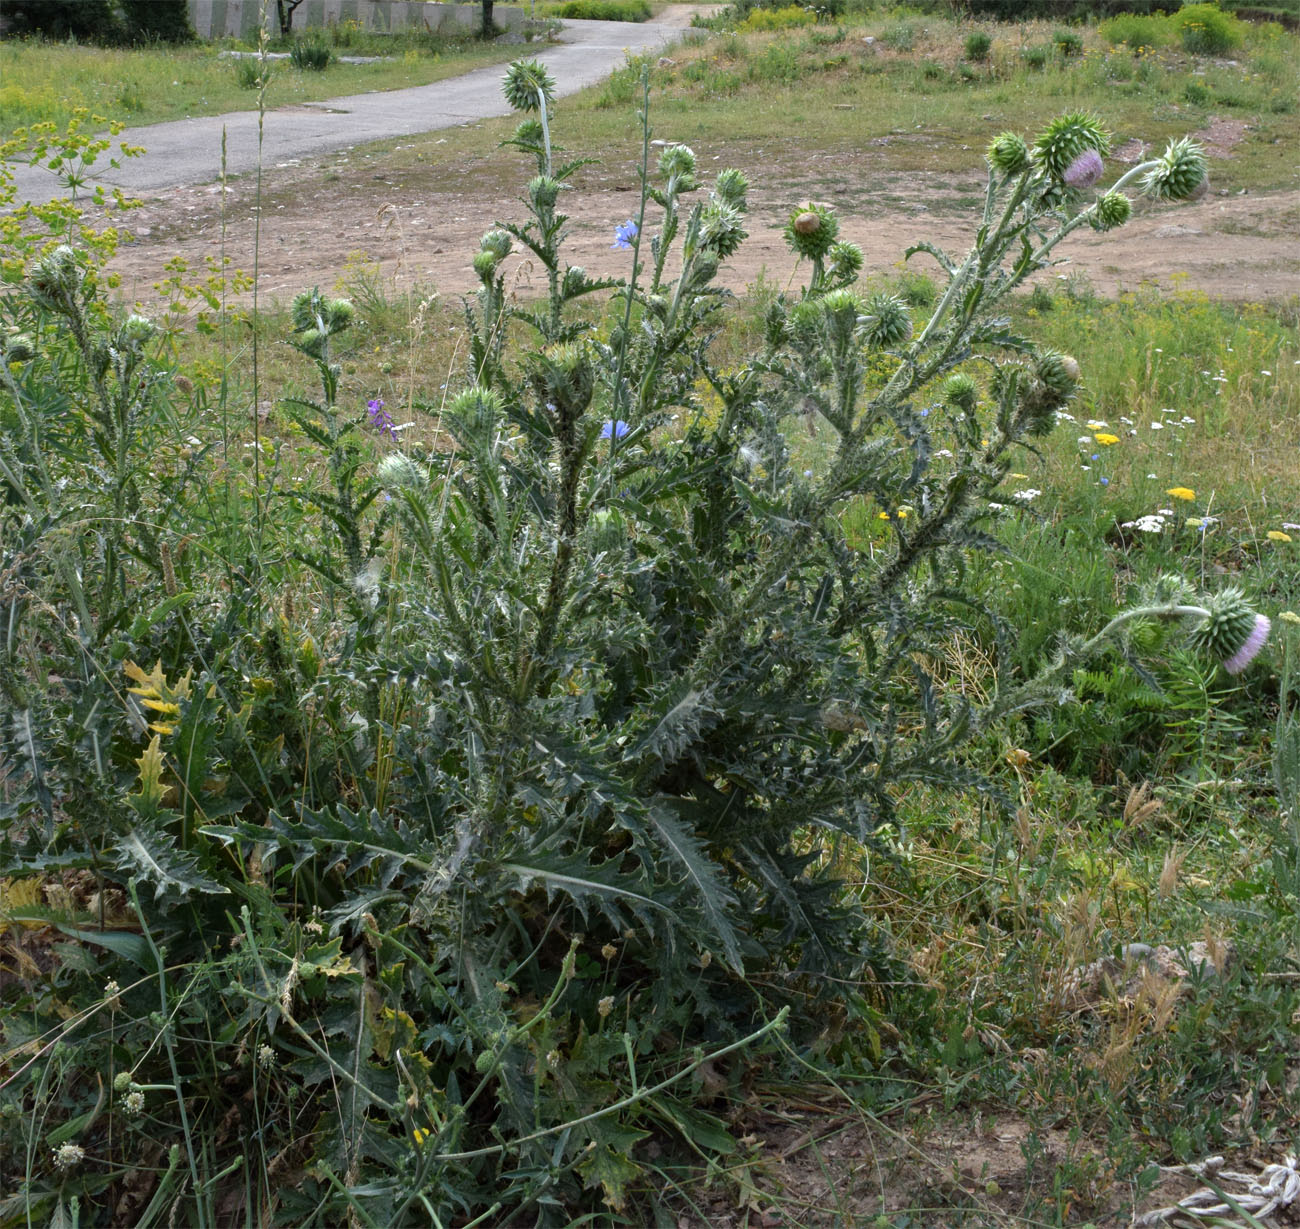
<point>421,224</point>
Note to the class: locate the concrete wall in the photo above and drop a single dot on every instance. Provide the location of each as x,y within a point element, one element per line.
<point>239,18</point>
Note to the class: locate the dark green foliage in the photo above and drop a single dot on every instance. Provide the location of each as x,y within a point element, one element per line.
<point>601,10</point>
<point>1063,10</point>
<point>157,21</point>
<point>85,20</point>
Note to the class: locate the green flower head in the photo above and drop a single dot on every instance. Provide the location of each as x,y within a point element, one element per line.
<point>1058,372</point>
<point>679,161</point>
<point>1112,210</point>
<point>731,188</point>
<point>961,392</point>
<point>1008,153</point>
<point>1065,138</point>
<point>543,191</point>
<point>527,84</point>
<point>497,242</point>
<point>812,230</point>
<point>1178,172</point>
<point>1232,631</point>
<point>845,261</point>
<point>721,231</point>
<point>885,321</point>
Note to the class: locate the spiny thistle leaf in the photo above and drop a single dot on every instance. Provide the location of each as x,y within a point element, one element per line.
<point>150,853</point>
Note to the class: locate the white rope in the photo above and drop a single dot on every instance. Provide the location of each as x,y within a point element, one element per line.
<point>1276,1188</point>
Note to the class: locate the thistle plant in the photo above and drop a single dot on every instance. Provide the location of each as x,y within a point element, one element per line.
<point>681,658</point>
<point>660,657</point>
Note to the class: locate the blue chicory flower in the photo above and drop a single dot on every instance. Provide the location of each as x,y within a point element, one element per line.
<point>614,429</point>
<point>624,234</point>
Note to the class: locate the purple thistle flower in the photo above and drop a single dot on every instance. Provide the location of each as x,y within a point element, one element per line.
<point>614,429</point>
<point>1250,648</point>
<point>1084,171</point>
<point>380,419</point>
<point>624,234</point>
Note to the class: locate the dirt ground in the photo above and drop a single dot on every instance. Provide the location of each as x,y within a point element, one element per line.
<point>421,224</point>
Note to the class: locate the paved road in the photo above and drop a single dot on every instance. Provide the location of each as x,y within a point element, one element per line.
<point>189,151</point>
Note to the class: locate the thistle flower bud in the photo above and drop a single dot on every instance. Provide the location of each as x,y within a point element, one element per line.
<point>1008,153</point>
<point>812,230</point>
<point>845,260</point>
<point>721,231</point>
<point>312,341</point>
<point>1112,210</point>
<point>476,410</point>
<point>562,376</point>
<point>527,84</point>
<point>485,264</point>
<point>543,191</point>
<point>55,277</point>
<point>1232,631</point>
<point>1178,172</point>
<point>137,330</point>
<point>841,309</point>
<point>678,160</point>
<point>731,187</point>
<point>19,348</point>
<point>530,132</point>
<point>305,309</point>
<point>1059,373</point>
<point>497,242</point>
<point>886,322</point>
<point>398,472</point>
<point>961,391</point>
<point>339,314</point>
<point>1066,138</point>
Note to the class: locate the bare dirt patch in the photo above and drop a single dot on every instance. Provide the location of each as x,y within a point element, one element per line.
<point>814,1170</point>
<point>422,224</point>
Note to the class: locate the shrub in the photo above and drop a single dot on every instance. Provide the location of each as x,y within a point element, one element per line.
<point>1134,30</point>
<point>1037,56</point>
<point>601,10</point>
<point>1067,42</point>
<point>978,46</point>
<point>1207,30</point>
<point>309,55</point>
<point>248,71</point>
<point>786,18</point>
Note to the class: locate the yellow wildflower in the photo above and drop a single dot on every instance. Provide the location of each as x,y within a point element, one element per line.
<point>1289,616</point>
<point>1276,535</point>
<point>1103,437</point>
<point>1181,492</point>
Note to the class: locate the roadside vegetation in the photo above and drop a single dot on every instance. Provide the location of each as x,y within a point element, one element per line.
<point>46,82</point>
<point>489,758</point>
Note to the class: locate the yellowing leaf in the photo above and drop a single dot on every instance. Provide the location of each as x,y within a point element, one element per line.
<point>149,799</point>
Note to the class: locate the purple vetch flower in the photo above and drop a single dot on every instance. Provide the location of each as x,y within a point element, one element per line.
<point>624,233</point>
<point>380,419</point>
<point>614,429</point>
<point>1084,171</point>
<point>1250,649</point>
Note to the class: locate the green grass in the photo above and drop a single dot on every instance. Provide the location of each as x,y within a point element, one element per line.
<point>46,82</point>
<point>600,10</point>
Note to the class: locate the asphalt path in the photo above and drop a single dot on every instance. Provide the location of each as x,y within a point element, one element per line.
<point>188,152</point>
